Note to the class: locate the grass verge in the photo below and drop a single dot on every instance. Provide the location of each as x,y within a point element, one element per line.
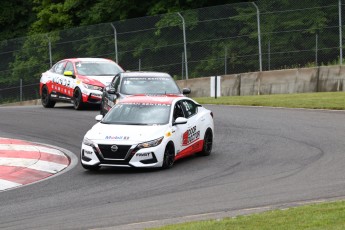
<point>327,100</point>
<point>317,216</point>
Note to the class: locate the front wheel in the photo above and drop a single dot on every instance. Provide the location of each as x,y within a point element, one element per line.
<point>169,157</point>
<point>78,99</point>
<point>45,98</point>
<point>208,142</point>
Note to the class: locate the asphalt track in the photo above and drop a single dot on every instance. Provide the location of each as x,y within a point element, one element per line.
<point>262,158</point>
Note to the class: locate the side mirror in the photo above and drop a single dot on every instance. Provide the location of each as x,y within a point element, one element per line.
<point>180,121</point>
<point>111,91</point>
<point>69,74</point>
<point>186,90</point>
<point>99,117</point>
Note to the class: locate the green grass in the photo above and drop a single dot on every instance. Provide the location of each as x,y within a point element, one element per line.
<point>328,100</point>
<point>317,216</point>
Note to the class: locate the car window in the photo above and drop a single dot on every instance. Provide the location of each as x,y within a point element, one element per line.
<point>190,108</point>
<point>89,68</point>
<point>138,114</point>
<point>59,67</point>
<point>69,67</point>
<point>115,82</point>
<point>178,111</point>
<point>148,85</point>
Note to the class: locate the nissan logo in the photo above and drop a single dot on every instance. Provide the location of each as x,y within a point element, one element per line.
<point>114,148</point>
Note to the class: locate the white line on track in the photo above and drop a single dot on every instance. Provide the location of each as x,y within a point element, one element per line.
<point>5,184</point>
<point>16,147</point>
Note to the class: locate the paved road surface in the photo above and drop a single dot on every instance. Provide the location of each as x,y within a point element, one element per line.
<point>262,157</point>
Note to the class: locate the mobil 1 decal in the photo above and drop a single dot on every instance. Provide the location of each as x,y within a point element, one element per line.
<point>190,136</point>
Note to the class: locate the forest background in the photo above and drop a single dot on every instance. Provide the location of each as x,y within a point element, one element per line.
<point>20,18</point>
<point>223,36</point>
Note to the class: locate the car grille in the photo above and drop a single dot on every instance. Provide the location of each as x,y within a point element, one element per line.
<point>119,154</point>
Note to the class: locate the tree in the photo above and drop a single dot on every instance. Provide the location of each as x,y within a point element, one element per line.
<point>15,18</point>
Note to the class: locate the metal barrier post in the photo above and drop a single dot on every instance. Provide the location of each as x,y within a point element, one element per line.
<point>340,37</point>
<point>182,68</point>
<point>21,90</point>
<point>215,86</point>
<point>185,44</point>
<point>259,34</point>
<point>115,41</point>
<point>50,51</point>
<point>225,61</point>
<point>316,49</point>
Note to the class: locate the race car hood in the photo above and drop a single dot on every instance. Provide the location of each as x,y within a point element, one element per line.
<point>96,80</point>
<point>129,134</point>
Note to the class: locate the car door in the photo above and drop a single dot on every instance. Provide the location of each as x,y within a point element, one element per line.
<point>110,93</point>
<point>56,76</point>
<point>191,138</point>
<point>188,141</point>
<point>68,81</point>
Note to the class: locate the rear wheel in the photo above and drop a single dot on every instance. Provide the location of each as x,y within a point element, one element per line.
<point>169,157</point>
<point>208,143</point>
<point>45,98</point>
<point>78,99</point>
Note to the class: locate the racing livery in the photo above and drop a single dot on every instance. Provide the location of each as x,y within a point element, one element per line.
<point>139,82</point>
<point>148,131</point>
<point>77,80</point>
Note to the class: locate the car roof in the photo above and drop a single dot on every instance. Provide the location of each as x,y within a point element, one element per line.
<point>88,59</point>
<point>167,99</point>
<point>145,74</point>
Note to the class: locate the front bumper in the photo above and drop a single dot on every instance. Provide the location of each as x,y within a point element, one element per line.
<point>127,156</point>
<point>92,96</point>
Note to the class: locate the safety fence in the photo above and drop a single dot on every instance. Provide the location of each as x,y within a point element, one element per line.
<point>220,40</point>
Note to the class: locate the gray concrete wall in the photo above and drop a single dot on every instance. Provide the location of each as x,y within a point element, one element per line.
<point>200,86</point>
<point>288,81</point>
<point>302,80</point>
<point>331,78</point>
<point>230,85</point>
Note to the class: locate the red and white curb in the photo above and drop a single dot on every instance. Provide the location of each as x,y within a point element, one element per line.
<point>23,162</point>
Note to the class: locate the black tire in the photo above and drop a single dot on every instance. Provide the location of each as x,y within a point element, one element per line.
<point>208,142</point>
<point>77,100</point>
<point>45,98</point>
<point>91,167</point>
<point>169,157</point>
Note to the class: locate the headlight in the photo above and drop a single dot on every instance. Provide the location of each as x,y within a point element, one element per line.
<point>150,144</point>
<point>88,142</point>
<point>93,87</point>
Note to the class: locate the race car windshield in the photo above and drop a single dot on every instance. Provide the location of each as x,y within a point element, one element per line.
<point>149,85</point>
<point>97,68</point>
<point>138,114</point>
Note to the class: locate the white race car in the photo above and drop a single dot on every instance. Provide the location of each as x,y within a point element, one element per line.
<point>148,131</point>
